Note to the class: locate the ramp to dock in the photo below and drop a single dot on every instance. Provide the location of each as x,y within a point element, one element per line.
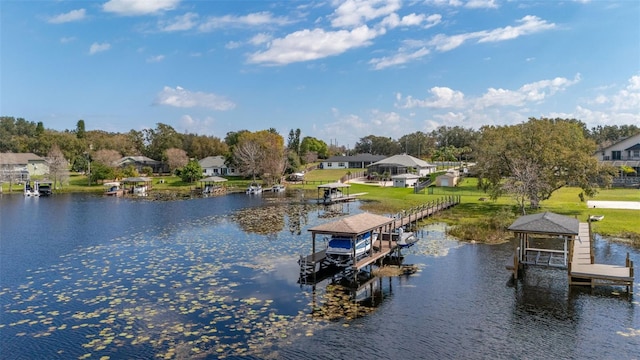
<point>584,271</point>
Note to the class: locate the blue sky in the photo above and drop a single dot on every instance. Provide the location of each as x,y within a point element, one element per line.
<point>337,70</point>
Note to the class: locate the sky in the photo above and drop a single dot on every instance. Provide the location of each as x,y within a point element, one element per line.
<point>336,70</point>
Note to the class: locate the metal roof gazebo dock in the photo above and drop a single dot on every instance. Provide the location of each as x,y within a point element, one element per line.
<point>350,227</point>
<point>552,240</point>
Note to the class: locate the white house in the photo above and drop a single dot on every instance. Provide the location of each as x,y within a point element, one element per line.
<point>624,152</point>
<point>405,180</point>
<point>20,166</point>
<point>402,164</point>
<point>360,161</point>
<point>216,166</point>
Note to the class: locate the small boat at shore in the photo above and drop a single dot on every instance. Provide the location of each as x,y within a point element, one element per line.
<point>278,188</point>
<point>254,188</point>
<point>596,217</point>
<point>113,189</point>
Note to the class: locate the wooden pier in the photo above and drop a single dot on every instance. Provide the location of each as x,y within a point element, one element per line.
<point>576,252</point>
<point>355,225</point>
<point>584,271</point>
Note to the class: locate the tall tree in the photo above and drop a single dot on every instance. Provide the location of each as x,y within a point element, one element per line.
<point>247,155</point>
<point>554,150</point>
<point>160,139</point>
<point>312,145</point>
<point>58,165</point>
<point>176,158</point>
<point>80,131</point>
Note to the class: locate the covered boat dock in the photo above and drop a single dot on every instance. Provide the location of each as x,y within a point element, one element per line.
<point>552,240</point>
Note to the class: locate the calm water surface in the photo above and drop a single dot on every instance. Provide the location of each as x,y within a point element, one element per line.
<point>87,277</point>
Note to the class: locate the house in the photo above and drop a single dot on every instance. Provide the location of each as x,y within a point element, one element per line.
<point>140,162</point>
<point>216,166</point>
<point>360,161</point>
<point>405,180</point>
<point>623,153</point>
<point>450,178</point>
<point>401,164</point>
<point>21,166</point>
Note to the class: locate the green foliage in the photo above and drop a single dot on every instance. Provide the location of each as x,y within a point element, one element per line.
<point>311,144</point>
<point>101,171</point>
<point>191,172</point>
<point>147,170</point>
<point>130,171</point>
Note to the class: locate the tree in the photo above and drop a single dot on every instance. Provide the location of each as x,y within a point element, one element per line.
<point>293,142</point>
<point>57,165</point>
<point>191,172</point>
<point>100,171</point>
<point>377,145</point>
<point>538,157</point>
<point>80,131</point>
<point>176,158</point>
<point>107,157</point>
<point>417,144</point>
<point>160,139</point>
<point>247,156</point>
<point>311,144</point>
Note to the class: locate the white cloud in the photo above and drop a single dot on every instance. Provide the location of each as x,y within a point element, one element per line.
<point>353,13</point>
<point>97,47</point>
<point>481,4</point>
<point>441,98</point>
<point>528,93</point>
<point>314,44</point>
<point>65,40</point>
<point>393,20</point>
<point>400,58</point>
<point>154,59</point>
<point>627,99</point>
<point>192,125</point>
<point>180,23</point>
<point>260,39</point>
<point>527,25</point>
<point>255,19</point>
<point>73,15</point>
<point>350,128</point>
<point>180,97</point>
<point>139,7</point>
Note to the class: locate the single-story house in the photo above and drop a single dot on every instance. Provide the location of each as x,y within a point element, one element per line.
<point>359,161</point>
<point>216,166</point>
<point>405,180</point>
<point>140,162</point>
<point>21,166</point>
<point>402,164</point>
<point>450,178</point>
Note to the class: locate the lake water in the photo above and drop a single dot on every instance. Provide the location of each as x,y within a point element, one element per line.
<point>88,277</point>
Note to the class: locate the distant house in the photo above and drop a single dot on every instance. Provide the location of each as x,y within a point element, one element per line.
<point>21,166</point>
<point>402,164</point>
<point>623,153</point>
<point>216,166</point>
<point>139,162</point>
<point>360,161</point>
<point>450,178</point>
<point>405,180</point>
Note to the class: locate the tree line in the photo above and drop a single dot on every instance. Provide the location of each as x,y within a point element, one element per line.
<point>531,159</point>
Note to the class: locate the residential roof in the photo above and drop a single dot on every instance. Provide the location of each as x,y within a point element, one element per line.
<point>333,186</point>
<point>356,158</point>
<point>403,160</point>
<point>406,176</point>
<point>19,158</point>
<point>546,223</point>
<point>212,162</point>
<point>634,147</point>
<point>138,159</point>
<point>353,225</point>
<point>213,179</point>
<point>620,141</point>
<point>137,179</point>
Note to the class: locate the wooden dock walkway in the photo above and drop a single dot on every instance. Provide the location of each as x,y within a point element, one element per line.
<point>584,271</point>
<point>384,245</point>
